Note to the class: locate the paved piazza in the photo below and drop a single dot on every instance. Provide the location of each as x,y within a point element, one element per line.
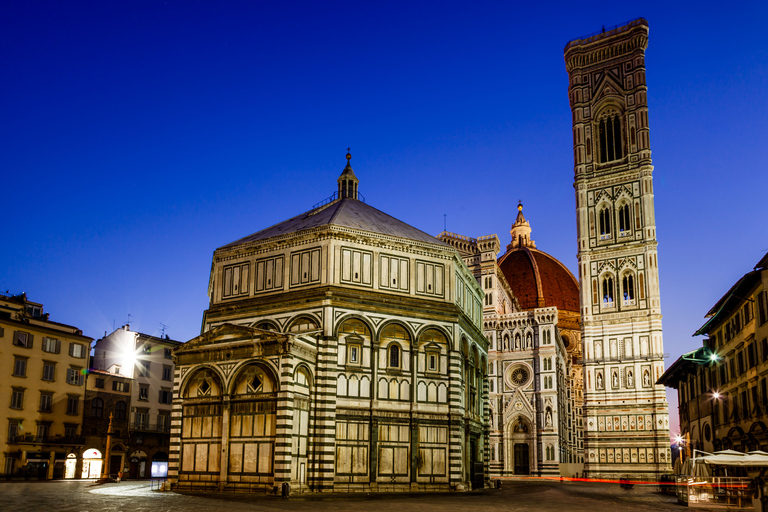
<point>66,496</point>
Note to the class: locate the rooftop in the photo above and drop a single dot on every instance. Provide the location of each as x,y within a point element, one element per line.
<point>347,211</point>
<point>606,32</point>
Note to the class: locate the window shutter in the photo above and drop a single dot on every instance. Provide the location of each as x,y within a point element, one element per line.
<point>71,349</point>
<point>30,339</point>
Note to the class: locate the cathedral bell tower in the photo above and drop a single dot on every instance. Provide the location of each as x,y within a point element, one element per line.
<point>626,417</point>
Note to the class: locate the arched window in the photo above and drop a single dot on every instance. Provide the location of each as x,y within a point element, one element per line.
<point>303,324</point>
<point>97,408</point>
<point>394,356</point>
<point>397,334</point>
<point>610,138</point>
<point>120,410</point>
<point>624,219</point>
<point>605,224</point>
<point>628,284</point>
<point>608,291</point>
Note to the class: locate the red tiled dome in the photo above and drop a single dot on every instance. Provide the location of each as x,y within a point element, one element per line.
<point>539,280</point>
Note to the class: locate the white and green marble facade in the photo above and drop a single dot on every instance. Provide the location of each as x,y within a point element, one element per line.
<point>315,315</point>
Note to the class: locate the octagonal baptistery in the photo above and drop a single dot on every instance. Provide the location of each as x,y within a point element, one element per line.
<point>342,350</point>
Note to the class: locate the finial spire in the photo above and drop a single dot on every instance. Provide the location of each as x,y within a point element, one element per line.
<point>521,231</point>
<point>348,182</point>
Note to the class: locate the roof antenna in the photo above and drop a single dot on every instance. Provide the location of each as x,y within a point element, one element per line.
<point>129,320</point>
<point>445,222</point>
<point>163,327</point>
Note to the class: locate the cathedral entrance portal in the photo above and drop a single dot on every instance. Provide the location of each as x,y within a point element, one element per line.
<point>519,447</point>
<point>521,459</point>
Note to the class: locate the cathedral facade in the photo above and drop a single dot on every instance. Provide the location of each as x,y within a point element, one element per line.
<point>342,350</point>
<point>531,321</point>
<point>626,412</point>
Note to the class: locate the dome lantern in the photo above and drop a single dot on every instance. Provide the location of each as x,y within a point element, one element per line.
<point>521,231</point>
<point>348,182</point>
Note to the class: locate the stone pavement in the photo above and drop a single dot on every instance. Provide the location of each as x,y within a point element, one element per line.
<point>136,496</point>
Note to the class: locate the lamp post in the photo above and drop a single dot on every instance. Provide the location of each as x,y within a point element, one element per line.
<point>105,467</point>
<point>679,441</point>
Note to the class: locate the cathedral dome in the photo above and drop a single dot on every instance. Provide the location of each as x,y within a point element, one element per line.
<point>539,280</point>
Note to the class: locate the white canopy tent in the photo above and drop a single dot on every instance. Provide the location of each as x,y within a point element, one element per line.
<point>732,458</point>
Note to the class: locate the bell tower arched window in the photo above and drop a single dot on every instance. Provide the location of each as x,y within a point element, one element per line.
<point>609,130</point>
<point>628,285</point>
<point>608,291</point>
<point>624,219</point>
<point>605,224</point>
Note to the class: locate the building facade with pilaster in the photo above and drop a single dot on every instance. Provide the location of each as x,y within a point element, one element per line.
<point>42,364</point>
<point>342,350</point>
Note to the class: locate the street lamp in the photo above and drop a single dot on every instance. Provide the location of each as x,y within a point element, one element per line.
<point>683,443</point>
<point>712,357</point>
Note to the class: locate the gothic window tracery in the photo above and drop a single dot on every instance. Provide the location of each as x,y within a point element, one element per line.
<point>609,129</point>
<point>605,223</point>
<point>624,220</point>
<point>628,286</point>
<point>608,291</point>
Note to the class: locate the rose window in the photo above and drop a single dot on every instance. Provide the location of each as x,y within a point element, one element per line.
<point>518,376</point>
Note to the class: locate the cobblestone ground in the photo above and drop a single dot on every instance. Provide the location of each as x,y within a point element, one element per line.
<point>136,496</point>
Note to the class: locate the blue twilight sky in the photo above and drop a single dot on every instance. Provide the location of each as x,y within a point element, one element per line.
<point>136,137</point>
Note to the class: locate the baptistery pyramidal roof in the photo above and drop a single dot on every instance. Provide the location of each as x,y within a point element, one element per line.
<point>347,209</point>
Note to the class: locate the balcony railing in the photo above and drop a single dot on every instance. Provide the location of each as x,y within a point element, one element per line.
<point>146,426</point>
<point>32,439</point>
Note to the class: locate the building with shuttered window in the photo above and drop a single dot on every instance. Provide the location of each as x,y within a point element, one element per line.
<point>42,368</point>
<point>722,386</point>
